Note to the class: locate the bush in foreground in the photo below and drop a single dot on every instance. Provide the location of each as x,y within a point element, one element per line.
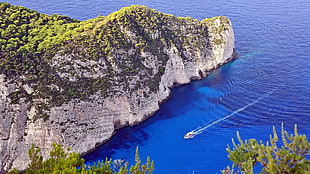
<point>288,158</point>
<point>61,162</point>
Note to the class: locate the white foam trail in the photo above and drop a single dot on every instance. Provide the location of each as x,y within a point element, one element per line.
<point>201,130</point>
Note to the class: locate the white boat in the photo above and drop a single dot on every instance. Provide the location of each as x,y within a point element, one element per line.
<point>189,135</point>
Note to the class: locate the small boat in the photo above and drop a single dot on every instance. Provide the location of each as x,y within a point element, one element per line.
<point>189,135</point>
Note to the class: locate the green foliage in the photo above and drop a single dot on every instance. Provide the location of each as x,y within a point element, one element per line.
<point>63,162</point>
<point>27,39</point>
<point>217,29</point>
<point>224,19</point>
<point>289,158</point>
<point>14,171</point>
<point>116,43</point>
<point>36,160</point>
<point>59,161</point>
<point>140,168</point>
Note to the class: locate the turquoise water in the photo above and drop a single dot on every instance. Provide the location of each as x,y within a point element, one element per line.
<point>272,39</point>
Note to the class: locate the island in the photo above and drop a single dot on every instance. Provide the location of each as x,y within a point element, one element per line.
<point>75,82</point>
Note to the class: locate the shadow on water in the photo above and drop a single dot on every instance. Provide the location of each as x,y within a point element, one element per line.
<point>127,138</point>
<point>273,54</point>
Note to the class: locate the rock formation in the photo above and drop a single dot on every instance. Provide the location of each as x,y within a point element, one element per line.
<point>91,77</point>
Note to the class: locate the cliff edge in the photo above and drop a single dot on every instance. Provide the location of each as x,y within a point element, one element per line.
<point>74,82</point>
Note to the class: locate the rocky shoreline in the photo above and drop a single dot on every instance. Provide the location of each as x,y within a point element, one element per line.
<point>131,81</point>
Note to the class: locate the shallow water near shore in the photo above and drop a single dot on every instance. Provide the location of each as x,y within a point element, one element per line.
<point>272,40</point>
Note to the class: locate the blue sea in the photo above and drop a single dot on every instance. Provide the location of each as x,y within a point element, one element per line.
<point>267,85</point>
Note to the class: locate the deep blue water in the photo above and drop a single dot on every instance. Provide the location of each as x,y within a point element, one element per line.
<point>273,42</point>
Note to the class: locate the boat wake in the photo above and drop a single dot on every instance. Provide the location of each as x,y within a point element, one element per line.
<point>199,130</point>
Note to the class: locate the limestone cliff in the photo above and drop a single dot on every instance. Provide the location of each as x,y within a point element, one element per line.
<point>86,79</point>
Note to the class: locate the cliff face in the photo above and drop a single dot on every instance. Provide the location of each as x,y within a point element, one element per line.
<point>107,73</point>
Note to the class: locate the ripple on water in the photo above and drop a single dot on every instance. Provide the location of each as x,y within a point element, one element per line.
<point>273,46</point>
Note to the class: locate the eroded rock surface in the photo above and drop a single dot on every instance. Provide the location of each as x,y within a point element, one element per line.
<point>121,88</point>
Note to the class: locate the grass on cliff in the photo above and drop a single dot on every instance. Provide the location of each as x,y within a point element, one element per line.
<point>30,40</point>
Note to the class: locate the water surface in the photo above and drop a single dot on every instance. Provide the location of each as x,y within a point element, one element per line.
<point>272,39</point>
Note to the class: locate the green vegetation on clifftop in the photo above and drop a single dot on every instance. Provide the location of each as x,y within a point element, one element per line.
<point>54,59</point>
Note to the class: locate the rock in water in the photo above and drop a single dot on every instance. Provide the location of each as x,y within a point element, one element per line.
<point>75,82</point>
